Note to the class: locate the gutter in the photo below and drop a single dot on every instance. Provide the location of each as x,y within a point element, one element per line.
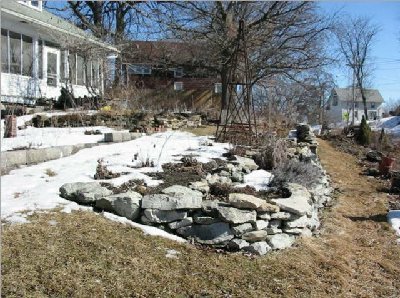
<point>44,24</point>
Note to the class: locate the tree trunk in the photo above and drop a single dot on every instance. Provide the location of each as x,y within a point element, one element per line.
<point>364,99</point>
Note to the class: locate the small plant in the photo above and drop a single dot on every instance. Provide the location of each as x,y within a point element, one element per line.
<point>273,154</point>
<point>363,136</point>
<point>103,173</point>
<point>189,161</point>
<point>50,173</point>
<point>296,171</point>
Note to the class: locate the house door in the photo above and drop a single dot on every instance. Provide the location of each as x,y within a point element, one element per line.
<point>52,66</point>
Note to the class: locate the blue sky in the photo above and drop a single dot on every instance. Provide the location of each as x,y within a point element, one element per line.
<point>386,49</point>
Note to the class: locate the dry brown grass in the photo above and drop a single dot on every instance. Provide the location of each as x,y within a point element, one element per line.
<point>86,255</point>
<point>207,130</point>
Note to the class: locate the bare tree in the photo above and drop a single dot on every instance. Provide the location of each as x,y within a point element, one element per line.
<point>283,37</point>
<point>355,37</point>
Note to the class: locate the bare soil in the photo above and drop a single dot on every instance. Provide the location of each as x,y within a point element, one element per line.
<point>86,255</point>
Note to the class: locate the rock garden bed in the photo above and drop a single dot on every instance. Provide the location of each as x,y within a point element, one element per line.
<point>233,205</point>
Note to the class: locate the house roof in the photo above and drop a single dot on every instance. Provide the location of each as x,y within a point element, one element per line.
<point>346,94</point>
<point>155,52</point>
<point>47,20</point>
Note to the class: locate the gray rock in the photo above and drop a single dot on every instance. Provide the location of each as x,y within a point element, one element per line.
<point>83,192</point>
<point>237,244</point>
<point>280,241</point>
<point>244,201</point>
<point>179,224</point>
<point>213,234</point>
<point>237,176</point>
<point>204,220</point>
<point>239,230</point>
<point>281,215</point>
<point>298,203</point>
<point>200,186</point>
<point>164,216</point>
<point>275,223</point>
<point>236,216</point>
<point>224,174</point>
<point>273,231</point>
<point>268,207</point>
<point>374,156</point>
<point>298,222</point>
<point>255,236</point>
<point>298,231</point>
<point>123,204</point>
<point>167,202</point>
<point>264,215</point>
<point>182,192</point>
<point>259,248</point>
<point>246,162</point>
<point>261,224</point>
<point>215,178</point>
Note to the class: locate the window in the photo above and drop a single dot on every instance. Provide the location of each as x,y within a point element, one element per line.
<point>139,69</point>
<point>72,67</point>
<point>63,67</point>
<point>51,69</point>
<point>356,104</point>
<point>4,50</point>
<point>373,105</point>
<point>34,4</point>
<point>178,72</point>
<point>218,88</point>
<point>80,70</point>
<point>178,86</point>
<point>15,52</point>
<point>95,73</point>
<point>40,59</point>
<point>356,114</point>
<point>335,100</point>
<point>27,56</point>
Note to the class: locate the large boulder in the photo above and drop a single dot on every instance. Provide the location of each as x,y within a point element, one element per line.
<point>164,216</point>
<point>374,156</point>
<point>236,216</point>
<point>84,192</point>
<point>298,203</point>
<point>244,201</point>
<point>124,204</point>
<point>259,248</point>
<point>167,202</point>
<point>280,241</point>
<point>213,234</point>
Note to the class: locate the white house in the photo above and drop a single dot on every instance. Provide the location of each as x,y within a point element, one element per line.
<point>339,107</point>
<point>41,53</point>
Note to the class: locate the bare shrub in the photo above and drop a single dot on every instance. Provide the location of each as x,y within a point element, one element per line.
<point>50,173</point>
<point>103,173</point>
<point>273,154</point>
<point>189,161</point>
<point>295,171</point>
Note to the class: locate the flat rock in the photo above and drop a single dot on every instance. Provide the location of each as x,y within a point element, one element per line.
<point>236,216</point>
<point>237,244</point>
<point>212,234</point>
<point>299,222</point>
<point>182,223</point>
<point>124,204</point>
<point>267,207</point>
<point>183,192</point>
<point>261,224</point>
<point>168,202</point>
<point>259,248</point>
<point>280,241</point>
<point>264,215</point>
<point>299,201</point>
<point>83,192</point>
<point>204,220</point>
<point>244,201</point>
<point>281,215</point>
<point>255,236</point>
<point>164,216</point>
<point>201,186</point>
<point>246,162</point>
<point>239,230</point>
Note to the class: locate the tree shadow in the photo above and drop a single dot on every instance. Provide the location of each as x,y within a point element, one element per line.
<point>376,218</point>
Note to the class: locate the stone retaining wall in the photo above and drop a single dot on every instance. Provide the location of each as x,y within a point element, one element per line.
<point>241,222</point>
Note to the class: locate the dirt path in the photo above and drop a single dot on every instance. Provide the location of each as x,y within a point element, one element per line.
<point>86,255</point>
<point>357,229</point>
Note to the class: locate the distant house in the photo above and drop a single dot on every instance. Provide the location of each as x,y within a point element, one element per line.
<point>340,105</point>
<point>41,53</point>
<point>172,67</point>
